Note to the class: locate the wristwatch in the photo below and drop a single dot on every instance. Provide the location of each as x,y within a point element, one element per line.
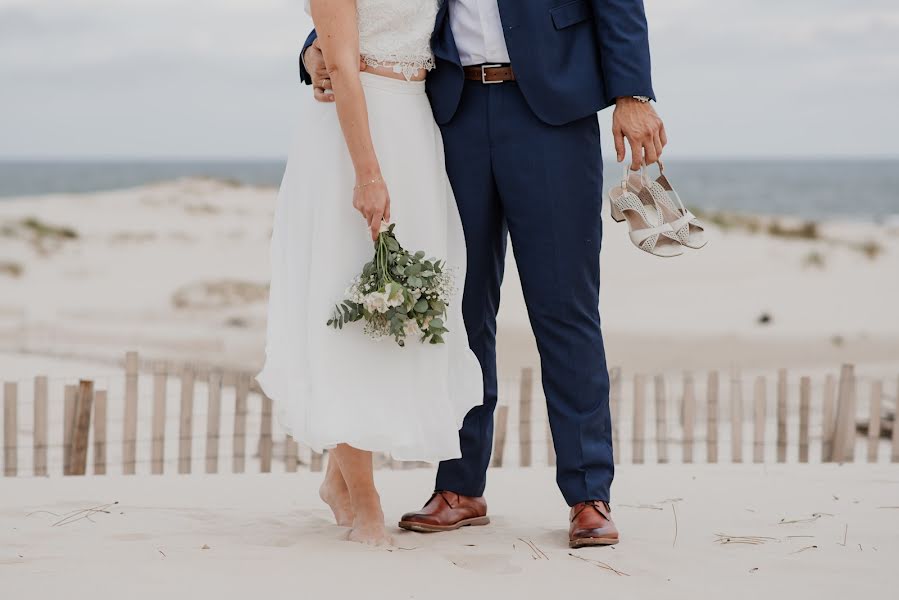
<point>641,99</point>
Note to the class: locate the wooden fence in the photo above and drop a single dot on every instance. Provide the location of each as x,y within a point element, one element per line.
<point>84,424</point>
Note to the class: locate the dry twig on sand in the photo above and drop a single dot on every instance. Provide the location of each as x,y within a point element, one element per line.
<point>753,540</point>
<point>600,564</point>
<point>814,517</point>
<point>76,515</point>
<point>536,552</point>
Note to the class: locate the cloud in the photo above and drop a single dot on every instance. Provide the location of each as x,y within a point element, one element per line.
<point>218,77</point>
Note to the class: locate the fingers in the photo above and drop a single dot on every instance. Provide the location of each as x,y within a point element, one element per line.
<point>663,135</point>
<point>619,143</point>
<point>636,155</point>
<point>387,211</point>
<point>362,65</point>
<point>657,142</point>
<point>649,151</point>
<point>375,224</point>
<point>321,96</point>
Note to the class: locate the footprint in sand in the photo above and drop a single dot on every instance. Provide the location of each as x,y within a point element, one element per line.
<point>493,564</point>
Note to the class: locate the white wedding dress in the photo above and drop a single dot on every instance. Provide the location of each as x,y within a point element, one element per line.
<point>332,387</point>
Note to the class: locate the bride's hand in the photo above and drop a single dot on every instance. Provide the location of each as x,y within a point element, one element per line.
<point>373,201</point>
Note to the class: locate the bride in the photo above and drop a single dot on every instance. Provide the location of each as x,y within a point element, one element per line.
<point>374,154</point>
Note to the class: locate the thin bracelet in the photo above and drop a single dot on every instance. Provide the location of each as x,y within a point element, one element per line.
<point>377,179</point>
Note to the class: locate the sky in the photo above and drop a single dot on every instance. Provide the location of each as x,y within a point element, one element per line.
<point>218,78</point>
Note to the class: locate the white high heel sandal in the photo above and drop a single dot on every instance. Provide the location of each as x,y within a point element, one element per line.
<point>686,226</point>
<point>648,231</point>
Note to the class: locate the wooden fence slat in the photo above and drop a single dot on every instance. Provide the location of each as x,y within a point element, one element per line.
<point>524,416</point>
<point>291,454</point>
<point>844,429</point>
<point>213,421</point>
<point>550,446</point>
<point>760,402</point>
<point>41,423</point>
<point>157,453</point>
<point>81,431</point>
<point>661,420</point>
<point>129,427</point>
<point>894,455</point>
<point>240,423</point>
<point>615,407</point>
<point>186,422</point>
<point>782,415</point>
<point>265,436</point>
<point>499,436</point>
<point>100,421</point>
<point>736,417</point>
<point>10,430</point>
<point>827,418</point>
<point>805,402</point>
<point>874,420</point>
<point>316,463</point>
<point>68,423</point>
<point>712,390</point>
<point>689,417</point>
<point>639,424</point>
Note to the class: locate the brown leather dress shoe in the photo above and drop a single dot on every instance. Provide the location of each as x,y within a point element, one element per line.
<point>446,511</point>
<point>592,525</point>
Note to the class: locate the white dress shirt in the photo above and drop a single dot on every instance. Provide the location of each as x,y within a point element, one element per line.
<point>478,31</point>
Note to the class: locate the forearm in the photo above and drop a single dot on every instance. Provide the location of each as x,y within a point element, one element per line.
<point>624,46</point>
<point>352,112</point>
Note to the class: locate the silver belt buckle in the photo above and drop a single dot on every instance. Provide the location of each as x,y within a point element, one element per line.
<point>484,73</point>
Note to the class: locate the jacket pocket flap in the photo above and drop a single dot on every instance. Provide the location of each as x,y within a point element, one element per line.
<point>570,14</point>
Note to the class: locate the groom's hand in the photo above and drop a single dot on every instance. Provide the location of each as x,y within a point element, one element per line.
<point>638,122</point>
<point>318,70</point>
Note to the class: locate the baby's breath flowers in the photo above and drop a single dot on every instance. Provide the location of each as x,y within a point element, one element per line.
<point>398,294</point>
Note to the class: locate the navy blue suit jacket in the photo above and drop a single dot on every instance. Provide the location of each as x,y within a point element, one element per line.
<point>572,58</point>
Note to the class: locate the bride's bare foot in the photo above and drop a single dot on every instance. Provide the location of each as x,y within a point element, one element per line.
<point>335,494</point>
<point>368,526</point>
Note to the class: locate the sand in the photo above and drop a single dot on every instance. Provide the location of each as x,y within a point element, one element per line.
<point>179,271</point>
<point>823,532</point>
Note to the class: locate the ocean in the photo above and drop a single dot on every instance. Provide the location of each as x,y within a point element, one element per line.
<point>809,189</point>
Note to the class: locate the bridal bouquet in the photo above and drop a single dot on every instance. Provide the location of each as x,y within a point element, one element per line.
<point>398,294</point>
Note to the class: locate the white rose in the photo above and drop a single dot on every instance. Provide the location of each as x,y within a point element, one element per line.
<point>410,327</point>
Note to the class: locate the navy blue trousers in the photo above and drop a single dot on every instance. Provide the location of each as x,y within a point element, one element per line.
<point>515,176</point>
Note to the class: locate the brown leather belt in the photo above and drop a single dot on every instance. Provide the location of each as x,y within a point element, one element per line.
<point>489,73</point>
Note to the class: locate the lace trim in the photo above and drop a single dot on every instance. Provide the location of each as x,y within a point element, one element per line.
<point>409,67</point>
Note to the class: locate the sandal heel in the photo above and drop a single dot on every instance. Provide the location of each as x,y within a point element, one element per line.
<point>616,213</point>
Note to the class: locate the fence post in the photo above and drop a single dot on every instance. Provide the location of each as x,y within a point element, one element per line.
<point>894,455</point>
<point>100,420</point>
<point>615,407</point>
<point>689,417</point>
<point>291,454</point>
<point>265,436</point>
<point>240,422</point>
<point>186,429</point>
<point>827,419</point>
<point>874,420</point>
<point>844,430</point>
<point>524,416</point>
<point>712,389</point>
<point>157,454</point>
<point>782,416</point>
<point>661,419</point>
<point>81,431</point>
<point>213,420</point>
<point>639,425</point>
<point>499,436</point>
<point>68,423</point>
<point>129,427</point>
<point>736,417</point>
<point>10,430</point>
<point>760,399</point>
<point>805,401</point>
<point>316,463</point>
<point>40,426</point>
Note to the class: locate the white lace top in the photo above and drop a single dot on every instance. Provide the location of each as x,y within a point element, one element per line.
<point>396,33</point>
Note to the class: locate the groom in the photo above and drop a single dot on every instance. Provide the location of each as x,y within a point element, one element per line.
<point>516,90</point>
